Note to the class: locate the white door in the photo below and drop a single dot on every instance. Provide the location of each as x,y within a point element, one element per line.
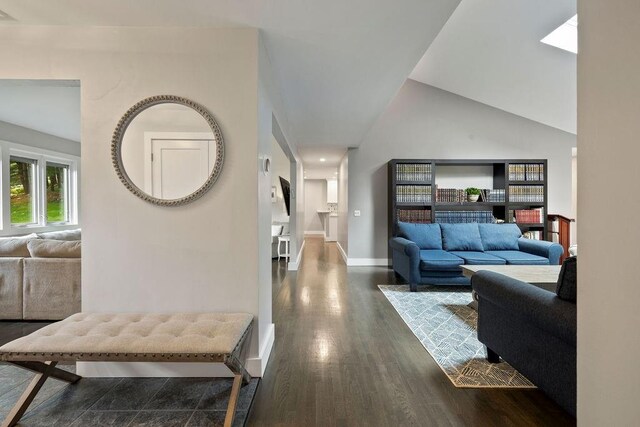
<point>178,166</point>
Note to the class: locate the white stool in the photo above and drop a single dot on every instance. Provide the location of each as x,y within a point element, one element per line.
<point>287,243</point>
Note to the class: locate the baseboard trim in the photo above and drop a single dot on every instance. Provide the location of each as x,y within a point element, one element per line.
<point>343,253</point>
<point>294,265</point>
<point>368,262</point>
<point>256,366</point>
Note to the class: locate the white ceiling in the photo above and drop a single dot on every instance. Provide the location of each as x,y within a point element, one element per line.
<point>490,51</point>
<point>51,107</point>
<point>337,63</point>
<point>311,156</point>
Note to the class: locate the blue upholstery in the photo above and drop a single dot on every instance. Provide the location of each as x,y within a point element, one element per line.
<point>426,236</point>
<point>520,258</point>
<point>499,237</point>
<point>461,237</point>
<point>420,266</point>
<point>437,259</point>
<point>479,258</point>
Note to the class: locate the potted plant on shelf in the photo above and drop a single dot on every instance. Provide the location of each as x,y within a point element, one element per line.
<point>472,194</point>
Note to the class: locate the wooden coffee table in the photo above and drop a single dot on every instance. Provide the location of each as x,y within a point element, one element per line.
<point>542,276</point>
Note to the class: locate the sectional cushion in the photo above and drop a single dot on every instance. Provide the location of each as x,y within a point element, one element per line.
<point>479,258</point>
<point>499,237</point>
<point>46,248</point>
<point>520,258</point>
<point>437,259</point>
<point>426,236</point>
<point>567,288</point>
<point>62,235</point>
<point>16,246</point>
<point>461,237</point>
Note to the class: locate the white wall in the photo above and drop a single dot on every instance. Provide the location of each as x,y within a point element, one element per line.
<point>315,199</point>
<point>136,256</point>
<point>281,168</point>
<point>608,291</point>
<point>343,204</point>
<point>33,138</point>
<point>425,122</point>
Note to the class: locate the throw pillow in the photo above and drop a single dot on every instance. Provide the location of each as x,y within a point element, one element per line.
<point>16,246</point>
<point>568,280</point>
<point>499,237</point>
<point>461,237</point>
<point>426,236</point>
<point>47,248</point>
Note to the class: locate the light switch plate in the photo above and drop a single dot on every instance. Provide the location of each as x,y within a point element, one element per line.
<point>356,213</point>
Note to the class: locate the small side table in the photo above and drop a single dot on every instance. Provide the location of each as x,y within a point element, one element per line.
<point>287,244</point>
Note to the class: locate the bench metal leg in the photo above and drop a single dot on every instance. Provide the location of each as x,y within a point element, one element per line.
<point>43,371</point>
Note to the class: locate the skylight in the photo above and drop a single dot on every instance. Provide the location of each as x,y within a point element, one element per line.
<point>565,36</point>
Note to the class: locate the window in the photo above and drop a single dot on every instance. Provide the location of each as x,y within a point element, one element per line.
<point>22,180</point>
<point>57,193</point>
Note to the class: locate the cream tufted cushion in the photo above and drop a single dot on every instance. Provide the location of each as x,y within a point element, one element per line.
<point>130,336</point>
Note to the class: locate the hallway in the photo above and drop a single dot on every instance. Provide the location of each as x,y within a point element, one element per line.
<point>342,356</point>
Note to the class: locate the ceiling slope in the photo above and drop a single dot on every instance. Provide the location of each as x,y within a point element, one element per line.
<point>490,51</point>
<point>337,63</point>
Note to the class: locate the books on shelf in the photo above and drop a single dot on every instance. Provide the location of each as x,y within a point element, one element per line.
<point>529,216</point>
<point>493,195</point>
<point>533,234</point>
<point>414,215</point>
<point>413,194</point>
<point>526,172</point>
<point>526,193</point>
<point>413,172</point>
<point>450,195</point>
<point>465,216</point>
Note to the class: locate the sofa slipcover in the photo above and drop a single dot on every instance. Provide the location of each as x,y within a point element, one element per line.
<point>520,258</point>
<point>479,258</point>
<point>437,259</point>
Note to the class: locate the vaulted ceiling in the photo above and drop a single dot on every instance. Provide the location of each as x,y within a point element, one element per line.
<point>338,63</point>
<point>490,51</point>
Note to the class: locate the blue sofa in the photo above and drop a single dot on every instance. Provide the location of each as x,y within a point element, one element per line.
<point>431,254</point>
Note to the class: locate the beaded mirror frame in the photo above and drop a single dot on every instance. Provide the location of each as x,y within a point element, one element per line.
<point>121,128</point>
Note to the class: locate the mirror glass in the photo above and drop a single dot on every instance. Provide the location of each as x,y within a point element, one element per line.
<point>169,152</point>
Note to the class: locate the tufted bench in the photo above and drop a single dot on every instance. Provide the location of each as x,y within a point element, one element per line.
<point>130,337</point>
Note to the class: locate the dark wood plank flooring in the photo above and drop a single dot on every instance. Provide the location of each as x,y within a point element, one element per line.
<point>343,357</point>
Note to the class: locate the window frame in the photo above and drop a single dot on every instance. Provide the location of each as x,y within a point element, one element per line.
<point>41,157</point>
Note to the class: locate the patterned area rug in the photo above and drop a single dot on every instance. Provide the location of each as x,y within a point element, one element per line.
<point>446,327</point>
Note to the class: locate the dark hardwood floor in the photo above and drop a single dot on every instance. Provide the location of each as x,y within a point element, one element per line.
<point>342,356</point>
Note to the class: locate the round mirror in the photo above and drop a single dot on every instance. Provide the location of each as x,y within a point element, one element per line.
<point>167,150</point>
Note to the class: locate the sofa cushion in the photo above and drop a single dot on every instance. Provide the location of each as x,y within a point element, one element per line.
<point>520,258</point>
<point>437,259</point>
<point>41,248</point>
<point>479,258</point>
<point>461,237</point>
<point>426,236</point>
<point>499,237</point>
<point>62,235</point>
<point>568,280</point>
<point>16,246</point>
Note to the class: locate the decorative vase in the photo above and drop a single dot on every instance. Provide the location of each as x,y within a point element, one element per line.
<point>473,197</point>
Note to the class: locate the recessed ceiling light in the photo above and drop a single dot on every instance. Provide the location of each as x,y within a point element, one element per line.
<point>323,159</point>
<point>565,36</point>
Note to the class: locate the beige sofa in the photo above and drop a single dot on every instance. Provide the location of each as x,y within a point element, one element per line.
<point>40,276</point>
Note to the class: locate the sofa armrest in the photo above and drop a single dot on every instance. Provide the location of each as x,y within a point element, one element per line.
<point>405,246</point>
<point>551,251</point>
<point>521,299</point>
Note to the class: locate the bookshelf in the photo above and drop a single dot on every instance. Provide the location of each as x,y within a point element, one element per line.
<point>516,192</point>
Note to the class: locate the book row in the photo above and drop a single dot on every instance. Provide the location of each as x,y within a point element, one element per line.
<point>414,215</point>
<point>413,193</point>
<point>527,216</point>
<point>526,193</point>
<point>526,172</point>
<point>413,172</point>
<point>465,216</point>
<point>534,234</point>
<point>450,195</point>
